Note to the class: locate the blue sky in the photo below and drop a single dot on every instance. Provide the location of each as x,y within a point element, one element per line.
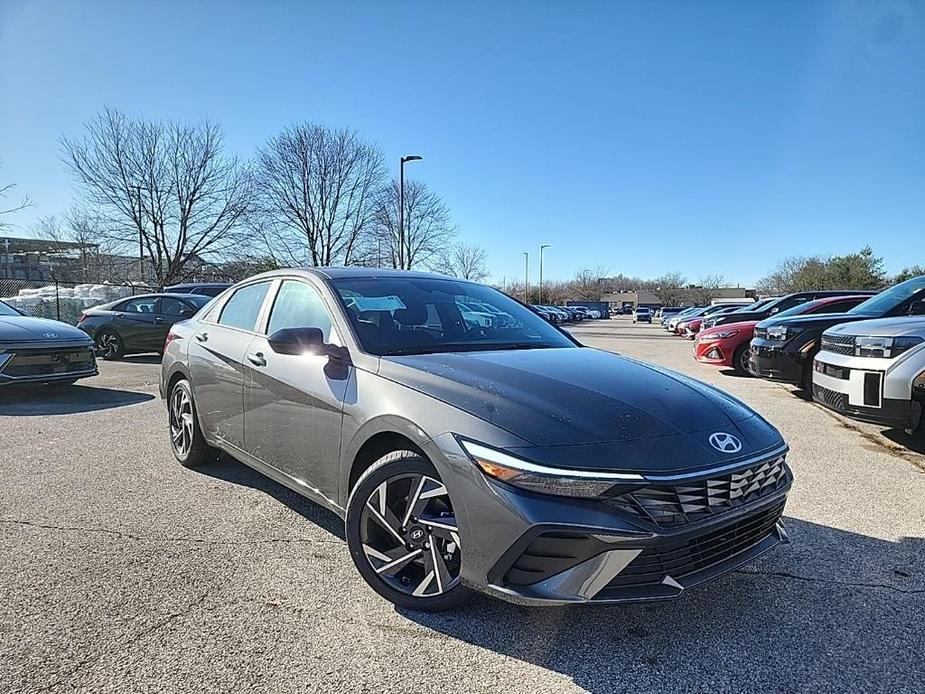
<point>705,137</point>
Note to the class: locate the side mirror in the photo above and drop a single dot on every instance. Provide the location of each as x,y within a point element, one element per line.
<point>775,310</point>
<point>917,308</point>
<point>305,340</point>
<point>187,312</point>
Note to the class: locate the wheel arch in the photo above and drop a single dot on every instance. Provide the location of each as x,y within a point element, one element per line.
<point>376,439</point>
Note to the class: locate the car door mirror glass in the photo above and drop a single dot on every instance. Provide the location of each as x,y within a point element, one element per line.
<point>917,308</point>
<point>297,341</point>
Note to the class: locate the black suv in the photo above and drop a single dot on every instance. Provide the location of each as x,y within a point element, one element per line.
<point>769,307</point>
<point>783,349</point>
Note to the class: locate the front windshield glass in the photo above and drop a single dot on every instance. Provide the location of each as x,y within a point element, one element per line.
<point>7,310</point>
<point>396,316</point>
<point>886,300</point>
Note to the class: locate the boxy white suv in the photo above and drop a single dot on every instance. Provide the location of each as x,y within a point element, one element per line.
<point>874,370</point>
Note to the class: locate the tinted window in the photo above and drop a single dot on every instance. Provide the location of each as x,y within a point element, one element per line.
<point>298,305</point>
<point>426,315</point>
<point>145,304</point>
<point>242,309</point>
<point>174,307</point>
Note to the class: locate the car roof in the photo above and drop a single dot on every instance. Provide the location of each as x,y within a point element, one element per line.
<point>359,273</point>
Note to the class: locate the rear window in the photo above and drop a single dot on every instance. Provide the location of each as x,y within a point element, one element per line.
<point>242,309</point>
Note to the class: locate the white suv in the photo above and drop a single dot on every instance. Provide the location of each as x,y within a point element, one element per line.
<point>874,370</point>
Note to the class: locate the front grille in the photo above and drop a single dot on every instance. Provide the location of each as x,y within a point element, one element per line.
<point>838,344</point>
<point>49,362</point>
<point>684,556</point>
<point>672,504</point>
<point>830,398</point>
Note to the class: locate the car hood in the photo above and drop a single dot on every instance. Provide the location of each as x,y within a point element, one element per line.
<point>883,327</point>
<point>581,407</point>
<point>27,329</point>
<point>818,321</point>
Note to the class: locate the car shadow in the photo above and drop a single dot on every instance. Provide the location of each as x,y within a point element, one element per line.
<point>914,442</point>
<point>834,606</point>
<point>734,374</point>
<point>41,401</point>
<point>231,470</point>
<point>152,358</point>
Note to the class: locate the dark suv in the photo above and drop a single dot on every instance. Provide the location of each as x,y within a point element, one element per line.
<point>783,349</point>
<point>770,307</point>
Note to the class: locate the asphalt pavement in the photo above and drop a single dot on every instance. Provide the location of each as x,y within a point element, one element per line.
<point>121,571</point>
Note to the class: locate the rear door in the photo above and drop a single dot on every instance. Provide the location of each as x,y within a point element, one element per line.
<point>293,404</point>
<point>217,361</point>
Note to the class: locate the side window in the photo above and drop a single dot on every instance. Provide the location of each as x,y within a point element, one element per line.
<point>298,305</point>
<point>144,304</point>
<point>242,309</point>
<point>173,307</point>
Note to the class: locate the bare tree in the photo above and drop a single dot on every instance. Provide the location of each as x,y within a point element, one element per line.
<point>706,288</point>
<point>669,288</point>
<point>14,207</point>
<point>165,189</point>
<point>95,258</point>
<point>468,261</point>
<point>315,188</point>
<point>428,229</point>
<point>588,284</point>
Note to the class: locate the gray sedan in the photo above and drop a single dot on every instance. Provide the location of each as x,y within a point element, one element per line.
<point>506,459</point>
<point>39,350</point>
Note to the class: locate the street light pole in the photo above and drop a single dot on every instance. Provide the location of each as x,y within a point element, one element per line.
<point>401,207</point>
<point>526,276</point>
<point>544,246</point>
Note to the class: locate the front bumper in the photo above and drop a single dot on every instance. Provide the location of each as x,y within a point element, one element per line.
<point>716,352</point>
<point>775,362</point>
<point>868,394</point>
<point>46,362</point>
<point>539,549</point>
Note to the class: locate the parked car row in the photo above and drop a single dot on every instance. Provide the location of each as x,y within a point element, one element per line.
<point>565,314</point>
<point>859,353</point>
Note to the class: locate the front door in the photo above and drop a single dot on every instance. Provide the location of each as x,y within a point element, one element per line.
<point>293,404</point>
<point>217,356</point>
<point>135,323</point>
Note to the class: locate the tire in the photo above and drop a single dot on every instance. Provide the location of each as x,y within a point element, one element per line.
<point>186,440</point>
<point>108,345</point>
<point>740,360</point>
<point>392,542</point>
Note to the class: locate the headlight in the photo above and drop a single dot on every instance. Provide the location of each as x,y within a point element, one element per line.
<point>722,335</point>
<point>884,347</point>
<point>782,332</point>
<point>539,478</point>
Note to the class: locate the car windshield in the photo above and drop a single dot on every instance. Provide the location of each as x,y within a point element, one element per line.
<point>6,310</point>
<point>423,315</point>
<point>887,299</point>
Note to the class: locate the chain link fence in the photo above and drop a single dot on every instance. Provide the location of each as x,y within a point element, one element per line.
<point>63,301</point>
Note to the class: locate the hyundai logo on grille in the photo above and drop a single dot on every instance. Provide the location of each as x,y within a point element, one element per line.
<point>726,443</point>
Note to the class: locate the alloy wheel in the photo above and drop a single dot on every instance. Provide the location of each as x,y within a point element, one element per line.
<point>743,359</point>
<point>107,345</point>
<point>181,422</point>
<point>410,536</point>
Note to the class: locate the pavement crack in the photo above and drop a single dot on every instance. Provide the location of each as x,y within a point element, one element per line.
<point>847,584</point>
<point>179,539</point>
<point>132,640</point>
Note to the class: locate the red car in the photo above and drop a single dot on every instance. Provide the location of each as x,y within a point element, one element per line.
<point>727,345</point>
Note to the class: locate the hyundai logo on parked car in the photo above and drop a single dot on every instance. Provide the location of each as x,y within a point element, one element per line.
<point>727,443</point>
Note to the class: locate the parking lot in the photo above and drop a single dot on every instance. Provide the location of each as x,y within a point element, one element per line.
<point>123,571</point>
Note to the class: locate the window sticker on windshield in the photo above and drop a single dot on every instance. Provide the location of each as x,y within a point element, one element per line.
<point>378,303</point>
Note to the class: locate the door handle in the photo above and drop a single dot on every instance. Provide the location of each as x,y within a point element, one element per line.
<point>158,319</point>
<point>202,337</point>
<point>257,359</point>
